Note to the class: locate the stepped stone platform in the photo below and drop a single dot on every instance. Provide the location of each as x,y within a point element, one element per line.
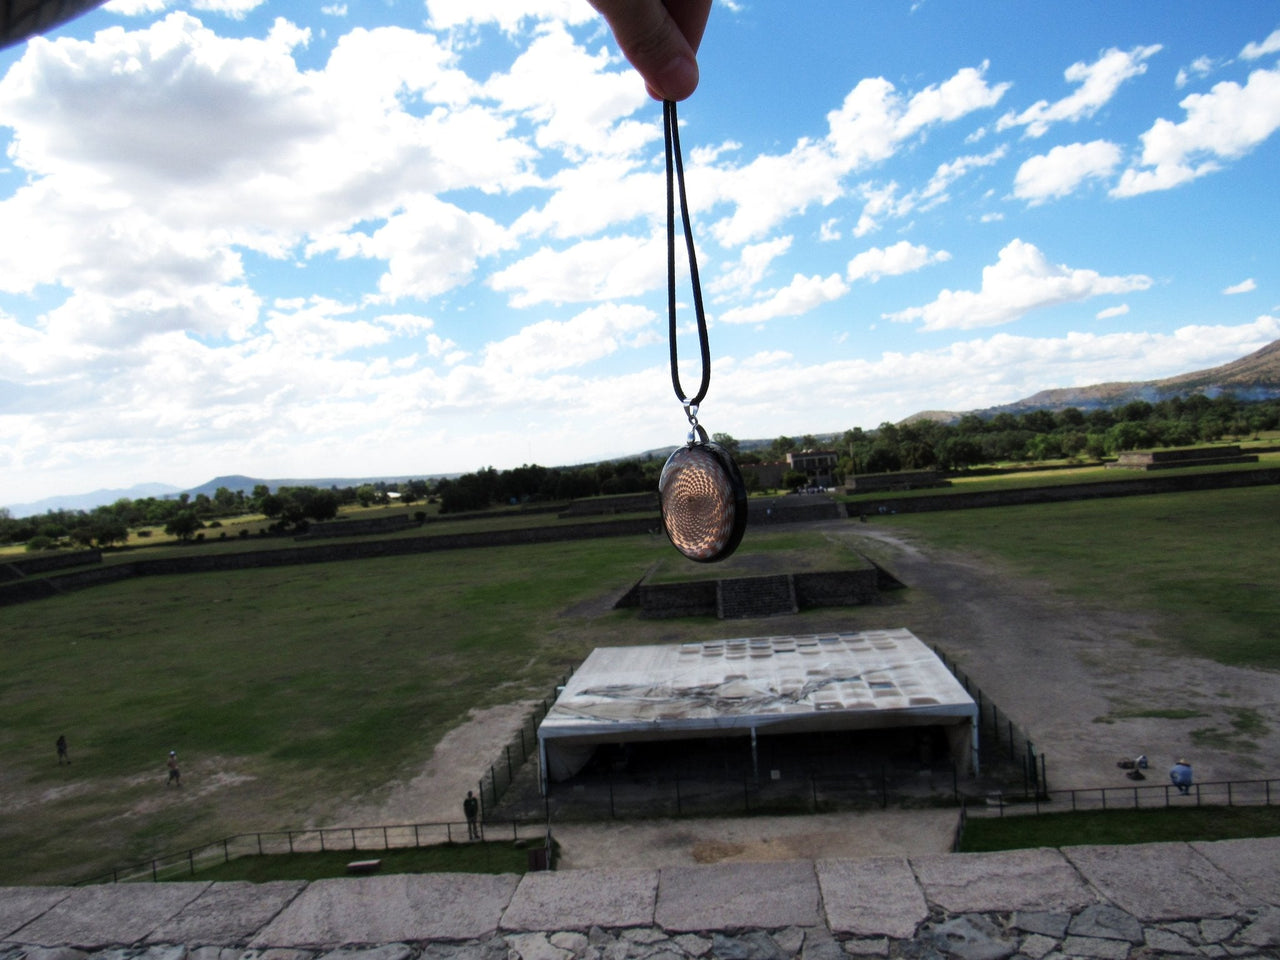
<point>1219,899</point>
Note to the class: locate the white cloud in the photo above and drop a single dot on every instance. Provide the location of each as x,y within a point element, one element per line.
<point>1200,67</point>
<point>884,202</point>
<point>1112,312</point>
<point>447,14</point>
<point>574,101</point>
<point>1253,51</point>
<point>873,122</point>
<point>1061,171</point>
<point>973,374</point>
<point>135,8</point>
<point>602,269</point>
<point>1244,286</point>
<point>235,9</point>
<point>551,345</point>
<point>1223,124</point>
<point>752,265</point>
<point>1020,281</point>
<point>1098,83</point>
<point>797,298</point>
<point>898,259</point>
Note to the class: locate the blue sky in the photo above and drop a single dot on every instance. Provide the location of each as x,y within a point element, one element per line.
<point>293,239</point>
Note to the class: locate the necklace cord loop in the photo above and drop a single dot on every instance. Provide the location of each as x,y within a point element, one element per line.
<point>675,176</point>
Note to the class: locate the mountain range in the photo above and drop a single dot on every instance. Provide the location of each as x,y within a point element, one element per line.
<point>1255,377</point>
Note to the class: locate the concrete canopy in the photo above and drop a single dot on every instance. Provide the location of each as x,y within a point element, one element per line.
<point>875,679</point>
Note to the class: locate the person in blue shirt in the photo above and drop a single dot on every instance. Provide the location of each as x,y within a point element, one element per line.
<point>1181,776</point>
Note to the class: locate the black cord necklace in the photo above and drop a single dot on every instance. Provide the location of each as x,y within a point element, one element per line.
<point>704,501</point>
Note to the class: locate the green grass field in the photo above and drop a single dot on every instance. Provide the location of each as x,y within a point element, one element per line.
<point>984,834</point>
<point>294,690</point>
<point>1205,561</point>
<point>488,857</point>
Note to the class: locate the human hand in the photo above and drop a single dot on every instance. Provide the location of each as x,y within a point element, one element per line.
<point>660,38</point>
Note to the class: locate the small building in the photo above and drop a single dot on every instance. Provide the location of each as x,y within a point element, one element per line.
<point>818,465</point>
<point>874,680</point>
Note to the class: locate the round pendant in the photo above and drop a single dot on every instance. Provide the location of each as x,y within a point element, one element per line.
<point>704,501</point>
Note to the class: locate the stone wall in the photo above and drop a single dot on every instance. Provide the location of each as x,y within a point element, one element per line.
<point>1057,494</point>
<point>327,553</point>
<point>699,598</point>
<point>21,567</point>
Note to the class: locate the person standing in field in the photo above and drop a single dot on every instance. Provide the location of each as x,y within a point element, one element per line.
<point>471,807</point>
<point>62,750</point>
<point>1180,776</point>
<point>175,775</point>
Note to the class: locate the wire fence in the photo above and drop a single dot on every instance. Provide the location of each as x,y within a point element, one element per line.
<point>999,738</point>
<point>361,840</point>
<point>692,796</point>
<point>1229,793</point>
<point>512,757</point>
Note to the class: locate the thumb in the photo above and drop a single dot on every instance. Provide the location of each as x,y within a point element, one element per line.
<point>654,44</point>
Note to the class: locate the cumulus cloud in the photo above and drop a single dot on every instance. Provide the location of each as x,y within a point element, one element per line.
<point>873,122</point>
<point>1061,171</point>
<point>1098,83</point>
<point>977,373</point>
<point>898,259</point>
<point>600,269</point>
<point>1255,50</point>
<point>1021,280</point>
<point>1244,286</point>
<point>797,298</point>
<point>551,345</point>
<point>1111,312</point>
<point>1199,67</point>
<point>753,263</point>
<point>1223,124</point>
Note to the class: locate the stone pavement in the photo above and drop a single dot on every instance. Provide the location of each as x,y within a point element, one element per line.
<point>1219,899</point>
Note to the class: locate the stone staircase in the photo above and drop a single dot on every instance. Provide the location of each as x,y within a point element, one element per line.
<point>755,597</point>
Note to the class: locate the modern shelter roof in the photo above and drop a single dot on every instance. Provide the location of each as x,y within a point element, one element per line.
<point>20,19</point>
<point>877,678</point>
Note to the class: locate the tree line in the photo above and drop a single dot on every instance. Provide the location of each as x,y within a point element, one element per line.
<point>1036,435</point>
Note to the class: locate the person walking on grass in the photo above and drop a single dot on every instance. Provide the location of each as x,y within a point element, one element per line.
<point>175,775</point>
<point>62,750</point>
<point>471,807</point>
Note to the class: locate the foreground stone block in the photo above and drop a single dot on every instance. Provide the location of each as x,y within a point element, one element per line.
<point>1253,863</point>
<point>21,905</point>
<point>1033,880</point>
<point>734,896</point>
<point>227,913</point>
<point>1160,881</point>
<point>440,906</point>
<point>580,899</point>
<point>111,913</point>
<point>871,898</point>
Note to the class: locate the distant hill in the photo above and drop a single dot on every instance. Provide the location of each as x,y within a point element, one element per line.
<point>1255,377</point>
<point>98,498</point>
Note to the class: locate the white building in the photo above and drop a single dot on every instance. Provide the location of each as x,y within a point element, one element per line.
<point>874,680</point>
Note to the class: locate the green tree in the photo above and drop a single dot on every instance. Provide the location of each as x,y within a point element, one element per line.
<point>183,525</point>
<point>728,442</point>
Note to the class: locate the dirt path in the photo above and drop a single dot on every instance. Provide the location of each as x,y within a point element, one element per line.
<point>1083,682</point>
